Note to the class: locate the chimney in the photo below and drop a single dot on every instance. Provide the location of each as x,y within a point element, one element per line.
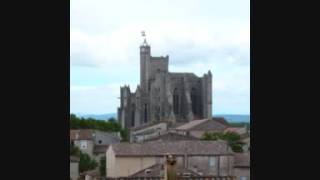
<point>170,167</point>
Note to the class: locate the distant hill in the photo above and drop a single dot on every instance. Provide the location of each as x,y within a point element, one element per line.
<point>235,117</point>
<point>228,117</point>
<point>98,116</point>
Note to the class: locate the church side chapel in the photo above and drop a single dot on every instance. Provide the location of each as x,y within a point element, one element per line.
<point>163,95</point>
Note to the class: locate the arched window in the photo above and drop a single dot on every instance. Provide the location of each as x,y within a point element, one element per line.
<point>132,115</point>
<point>176,104</point>
<point>194,100</point>
<point>157,113</point>
<point>145,113</point>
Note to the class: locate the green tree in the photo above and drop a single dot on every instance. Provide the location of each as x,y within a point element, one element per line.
<point>112,120</point>
<point>90,123</point>
<point>86,163</point>
<point>102,166</point>
<point>233,139</point>
<point>74,151</point>
<point>124,135</point>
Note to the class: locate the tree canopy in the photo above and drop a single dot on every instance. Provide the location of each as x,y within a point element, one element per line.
<point>233,139</point>
<point>86,162</point>
<point>89,123</point>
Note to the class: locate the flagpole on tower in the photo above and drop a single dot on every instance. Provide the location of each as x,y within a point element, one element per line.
<point>143,34</point>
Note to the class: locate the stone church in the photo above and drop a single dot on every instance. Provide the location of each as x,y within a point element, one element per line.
<point>164,95</point>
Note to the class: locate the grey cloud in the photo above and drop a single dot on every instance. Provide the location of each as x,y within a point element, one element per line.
<point>82,60</point>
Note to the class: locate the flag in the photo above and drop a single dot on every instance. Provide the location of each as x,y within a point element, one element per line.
<point>143,33</point>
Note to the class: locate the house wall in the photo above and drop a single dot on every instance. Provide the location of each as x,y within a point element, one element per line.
<point>89,147</point>
<point>208,165</point>
<point>211,165</point>
<point>247,145</point>
<point>74,170</point>
<point>126,166</point>
<point>149,132</point>
<point>110,163</point>
<point>226,165</point>
<point>202,163</point>
<point>238,172</point>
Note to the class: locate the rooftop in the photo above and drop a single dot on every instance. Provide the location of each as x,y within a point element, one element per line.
<point>87,134</point>
<point>157,170</point>
<point>242,160</point>
<point>203,124</point>
<point>171,136</point>
<point>147,125</point>
<point>83,134</point>
<point>160,148</point>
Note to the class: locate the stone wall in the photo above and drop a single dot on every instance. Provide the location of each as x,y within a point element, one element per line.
<point>154,98</point>
<point>74,170</point>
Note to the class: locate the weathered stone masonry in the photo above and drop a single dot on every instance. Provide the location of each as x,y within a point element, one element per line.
<point>164,95</point>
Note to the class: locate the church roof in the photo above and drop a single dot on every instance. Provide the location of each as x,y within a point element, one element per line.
<point>182,74</point>
<point>203,125</point>
<point>150,124</point>
<point>191,124</point>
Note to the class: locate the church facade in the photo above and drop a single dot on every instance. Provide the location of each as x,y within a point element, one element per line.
<point>164,95</point>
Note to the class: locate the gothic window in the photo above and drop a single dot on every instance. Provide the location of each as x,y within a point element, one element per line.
<point>157,113</point>
<point>149,85</point>
<point>132,117</point>
<point>145,113</point>
<point>176,101</point>
<point>194,101</point>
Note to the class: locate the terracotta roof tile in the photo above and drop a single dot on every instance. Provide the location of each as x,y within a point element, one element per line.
<point>242,160</point>
<point>81,134</point>
<point>172,136</point>
<point>172,147</point>
<point>191,124</point>
<point>203,125</point>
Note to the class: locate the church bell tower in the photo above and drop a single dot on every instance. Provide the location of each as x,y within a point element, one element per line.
<point>144,63</point>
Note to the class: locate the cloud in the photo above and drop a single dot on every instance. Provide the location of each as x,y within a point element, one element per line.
<point>121,46</point>
<point>98,99</point>
<point>197,35</point>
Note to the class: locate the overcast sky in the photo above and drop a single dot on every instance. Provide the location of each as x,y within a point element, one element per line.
<point>198,35</point>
